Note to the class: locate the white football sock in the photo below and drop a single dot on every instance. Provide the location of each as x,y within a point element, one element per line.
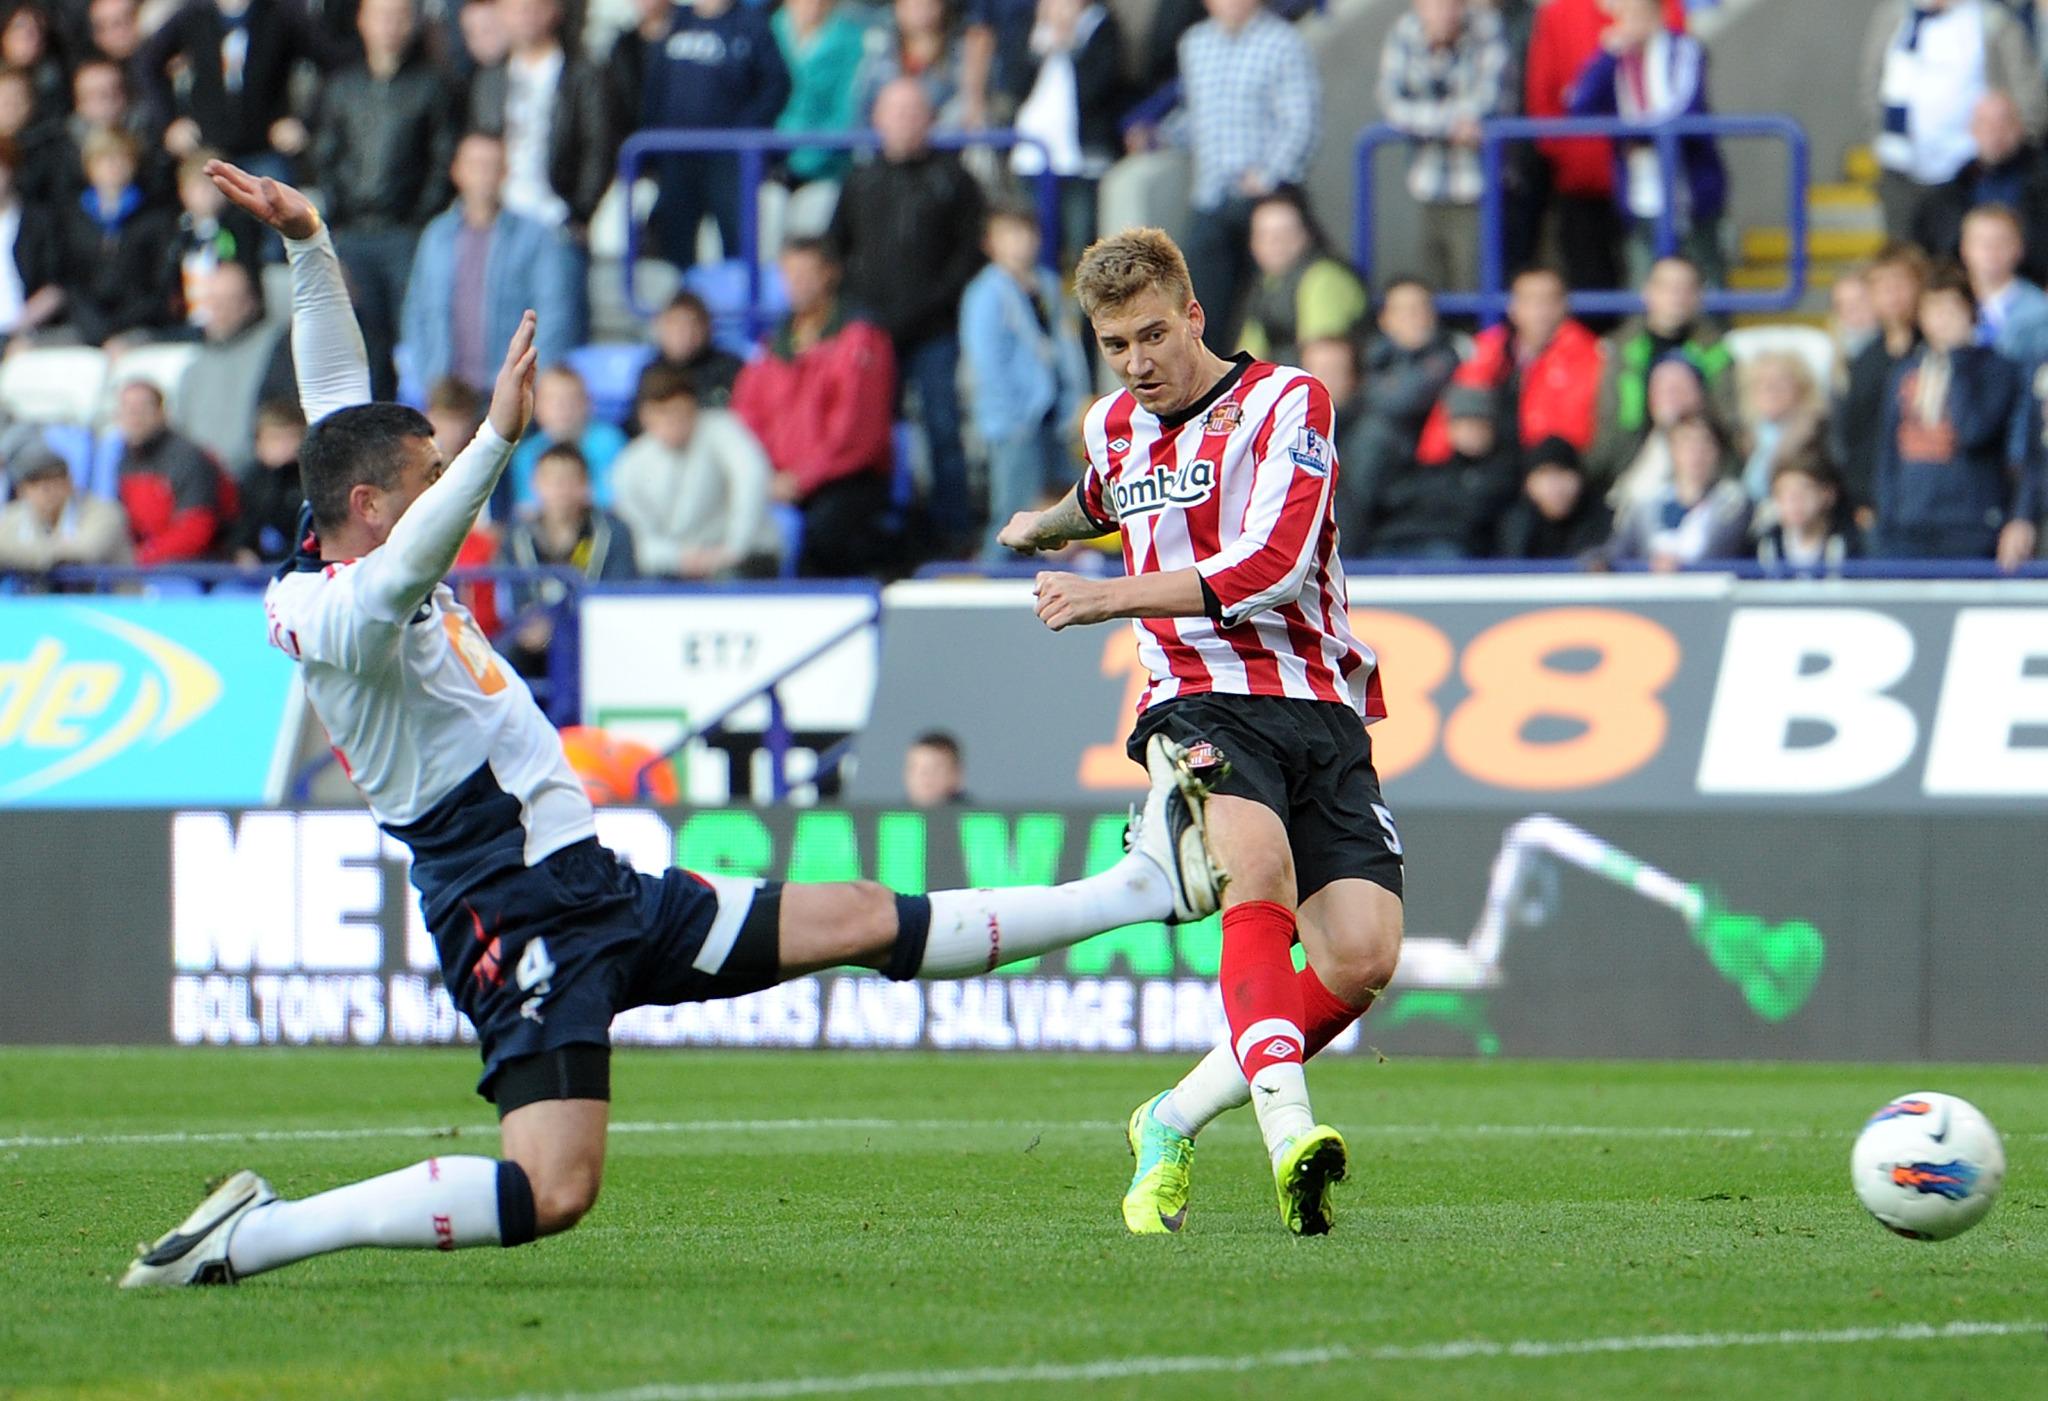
<point>1280,1098</point>
<point>442,1203</point>
<point>1214,1087</point>
<point>976,931</point>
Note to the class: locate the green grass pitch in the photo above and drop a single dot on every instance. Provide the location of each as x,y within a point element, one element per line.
<point>950,1222</point>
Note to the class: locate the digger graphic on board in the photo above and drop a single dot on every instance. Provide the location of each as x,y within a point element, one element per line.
<point>1444,980</point>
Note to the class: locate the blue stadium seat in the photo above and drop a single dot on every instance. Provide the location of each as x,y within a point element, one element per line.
<point>611,375</point>
<point>723,286</point>
<point>95,460</point>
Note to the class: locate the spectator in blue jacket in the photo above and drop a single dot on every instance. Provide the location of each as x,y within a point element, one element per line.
<point>1645,72</point>
<point>1024,352</point>
<point>719,67</point>
<point>477,269</point>
<point>1959,459</point>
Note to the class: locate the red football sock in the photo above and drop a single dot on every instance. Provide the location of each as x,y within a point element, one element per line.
<point>1262,998</point>
<point>1324,1014</point>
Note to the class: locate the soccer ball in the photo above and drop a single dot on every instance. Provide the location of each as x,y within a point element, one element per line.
<point>1928,1166</point>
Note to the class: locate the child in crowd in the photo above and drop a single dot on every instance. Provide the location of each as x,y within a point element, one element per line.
<point>264,532</point>
<point>565,529</point>
<point>561,414</point>
<point>1806,535</point>
<point>210,232</point>
<point>1023,350</point>
<point>118,283</point>
<point>1557,516</point>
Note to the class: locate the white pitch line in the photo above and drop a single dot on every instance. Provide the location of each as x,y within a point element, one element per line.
<point>173,1137</point>
<point>1122,1368</point>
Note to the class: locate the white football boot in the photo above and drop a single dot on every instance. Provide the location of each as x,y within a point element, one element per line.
<point>1172,831</point>
<point>197,1251</point>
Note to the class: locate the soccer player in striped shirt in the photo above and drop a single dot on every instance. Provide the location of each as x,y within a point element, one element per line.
<point>544,935</point>
<point>1219,476</point>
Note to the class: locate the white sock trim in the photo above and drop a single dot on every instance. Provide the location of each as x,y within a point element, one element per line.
<point>1265,1027</point>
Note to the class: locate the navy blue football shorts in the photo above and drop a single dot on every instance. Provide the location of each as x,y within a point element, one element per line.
<point>541,958</point>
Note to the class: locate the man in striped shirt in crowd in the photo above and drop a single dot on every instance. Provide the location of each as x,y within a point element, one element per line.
<point>1250,97</point>
<point>1219,476</point>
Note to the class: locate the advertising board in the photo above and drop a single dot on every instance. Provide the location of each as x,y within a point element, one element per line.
<point>1642,933</point>
<point>1593,692</point>
<point>111,701</point>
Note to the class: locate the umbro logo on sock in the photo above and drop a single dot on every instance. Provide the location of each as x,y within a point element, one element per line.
<point>1280,1048</point>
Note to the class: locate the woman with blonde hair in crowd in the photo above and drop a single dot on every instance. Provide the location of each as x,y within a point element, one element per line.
<point>1784,417</point>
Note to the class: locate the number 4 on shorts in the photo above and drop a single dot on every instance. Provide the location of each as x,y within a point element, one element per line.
<point>535,973</point>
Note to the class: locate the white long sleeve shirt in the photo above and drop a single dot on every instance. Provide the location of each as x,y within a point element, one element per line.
<point>414,700</point>
<point>712,492</point>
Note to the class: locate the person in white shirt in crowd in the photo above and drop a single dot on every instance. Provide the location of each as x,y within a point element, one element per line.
<point>1925,65</point>
<point>1250,107</point>
<point>551,109</point>
<point>693,487</point>
<point>1075,97</point>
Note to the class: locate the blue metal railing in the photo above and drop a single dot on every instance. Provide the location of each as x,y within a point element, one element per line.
<point>1490,301</point>
<point>752,147</point>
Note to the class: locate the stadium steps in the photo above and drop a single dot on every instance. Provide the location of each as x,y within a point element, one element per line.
<point>1845,229</point>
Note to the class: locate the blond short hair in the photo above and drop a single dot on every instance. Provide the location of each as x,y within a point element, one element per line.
<point>1123,266</point>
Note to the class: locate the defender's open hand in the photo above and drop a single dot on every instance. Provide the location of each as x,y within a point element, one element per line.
<point>512,399</point>
<point>276,204</point>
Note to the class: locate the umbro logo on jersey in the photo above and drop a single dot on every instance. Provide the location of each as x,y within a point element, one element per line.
<point>1186,485</point>
<point>1123,444</point>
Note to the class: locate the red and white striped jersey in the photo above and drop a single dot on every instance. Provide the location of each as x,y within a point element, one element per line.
<point>1238,487</point>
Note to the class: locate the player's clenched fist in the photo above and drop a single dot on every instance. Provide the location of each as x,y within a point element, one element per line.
<point>1021,533</point>
<point>1068,600</point>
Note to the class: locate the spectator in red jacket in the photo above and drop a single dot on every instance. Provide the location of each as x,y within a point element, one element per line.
<point>1541,366</point>
<point>170,488</point>
<point>820,398</point>
<point>1566,37</point>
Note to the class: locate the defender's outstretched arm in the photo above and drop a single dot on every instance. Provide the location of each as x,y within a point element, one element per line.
<point>327,345</point>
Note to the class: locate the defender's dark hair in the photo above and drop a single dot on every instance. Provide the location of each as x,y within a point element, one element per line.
<point>363,444</point>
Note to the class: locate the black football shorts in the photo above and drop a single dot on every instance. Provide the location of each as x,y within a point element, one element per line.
<point>1310,762</point>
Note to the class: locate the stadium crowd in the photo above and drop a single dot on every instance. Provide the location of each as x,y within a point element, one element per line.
<point>462,154</point>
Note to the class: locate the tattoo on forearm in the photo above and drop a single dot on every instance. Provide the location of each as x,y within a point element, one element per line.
<point>1065,522</point>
